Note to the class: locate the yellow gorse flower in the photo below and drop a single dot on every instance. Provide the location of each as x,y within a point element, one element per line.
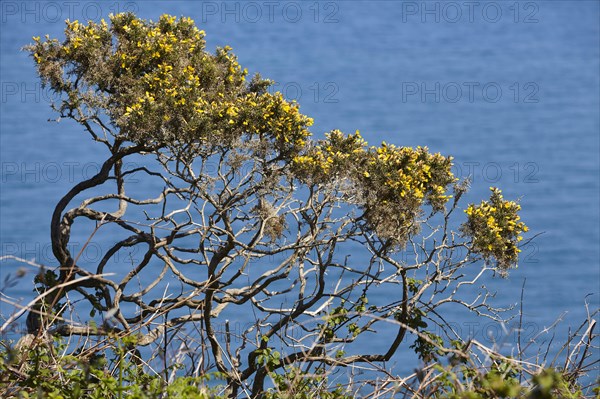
<point>495,229</point>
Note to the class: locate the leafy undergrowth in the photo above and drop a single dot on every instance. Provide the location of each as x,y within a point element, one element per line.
<point>41,368</point>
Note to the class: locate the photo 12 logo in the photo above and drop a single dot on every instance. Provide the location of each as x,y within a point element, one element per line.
<point>58,11</point>
<point>316,92</point>
<point>270,11</point>
<point>27,92</point>
<point>494,172</point>
<point>495,333</point>
<point>530,253</point>
<point>54,172</point>
<point>470,12</point>
<point>470,92</point>
<point>86,252</point>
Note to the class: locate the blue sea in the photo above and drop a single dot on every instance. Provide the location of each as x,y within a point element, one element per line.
<point>511,89</point>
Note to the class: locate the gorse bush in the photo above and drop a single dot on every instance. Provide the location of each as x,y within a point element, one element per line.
<point>495,228</point>
<point>319,243</point>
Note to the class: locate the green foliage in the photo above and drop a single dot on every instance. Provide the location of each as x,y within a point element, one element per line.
<point>268,357</point>
<point>296,384</point>
<point>45,373</point>
<point>428,346</point>
<point>336,318</point>
<point>413,284</point>
<point>341,316</point>
<point>49,375</point>
<point>500,381</point>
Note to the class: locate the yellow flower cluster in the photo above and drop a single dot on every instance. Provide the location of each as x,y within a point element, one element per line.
<point>407,175</point>
<point>399,181</point>
<point>270,114</point>
<point>158,83</point>
<point>495,229</point>
<point>84,36</point>
<point>391,183</point>
<point>332,156</point>
<point>137,107</point>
